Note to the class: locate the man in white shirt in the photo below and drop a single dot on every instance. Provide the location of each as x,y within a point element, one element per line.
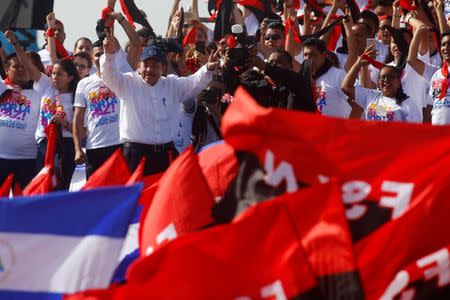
<point>331,101</point>
<point>60,35</point>
<point>150,104</point>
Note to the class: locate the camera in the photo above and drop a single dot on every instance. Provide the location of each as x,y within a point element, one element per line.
<point>159,42</point>
<point>240,53</point>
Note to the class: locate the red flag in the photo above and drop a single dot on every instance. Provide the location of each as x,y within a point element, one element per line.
<point>191,37</point>
<point>133,13</point>
<point>259,256</point>
<point>43,183</point>
<point>182,203</point>
<point>6,186</point>
<point>414,250</point>
<point>381,165</point>
<point>51,132</point>
<point>290,25</point>
<point>319,215</point>
<point>258,4</point>
<point>137,174</point>
<point>220,167</point>
<point>114,171</point>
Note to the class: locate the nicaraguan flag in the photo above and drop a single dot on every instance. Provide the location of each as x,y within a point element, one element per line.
<point>63,243</point>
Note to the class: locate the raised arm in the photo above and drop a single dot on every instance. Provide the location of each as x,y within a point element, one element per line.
<point>175,5</point>
<point>439,8</point>
<point>337,4</point>
<point>351,43</point>
<point>51,38</point>
<point>34,72</point>
<point>348,85</point>
<point>135,42</point>
<point>396,14</point>
<point>413,61</point>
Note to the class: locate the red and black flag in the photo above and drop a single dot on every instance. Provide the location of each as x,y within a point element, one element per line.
<point>134,14</point>
<point>181,203</point>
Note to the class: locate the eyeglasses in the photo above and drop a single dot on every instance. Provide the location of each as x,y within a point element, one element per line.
<point>273,37</point>
<point>387,77</point>
<point>82,67</point>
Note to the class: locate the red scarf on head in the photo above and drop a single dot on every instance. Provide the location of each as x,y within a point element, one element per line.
<point>444,86</point>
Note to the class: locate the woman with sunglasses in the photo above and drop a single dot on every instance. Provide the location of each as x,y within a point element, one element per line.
<point>387,104</point>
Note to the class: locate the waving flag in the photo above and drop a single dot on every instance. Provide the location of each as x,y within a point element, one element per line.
<point>182,203</point>
<point>63,242</point>
<point>5,188</point>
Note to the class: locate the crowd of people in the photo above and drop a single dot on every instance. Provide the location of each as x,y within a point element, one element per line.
<point>378,60</point>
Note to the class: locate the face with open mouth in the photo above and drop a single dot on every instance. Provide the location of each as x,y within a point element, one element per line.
<point>445,48</point>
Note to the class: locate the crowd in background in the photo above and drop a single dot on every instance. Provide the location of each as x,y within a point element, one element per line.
<point>378,60</point>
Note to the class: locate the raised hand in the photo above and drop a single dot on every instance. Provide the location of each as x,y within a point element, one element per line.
<point>213,61</point>
<point>51,19</point>
<point>11,37</point>
<point>109,42</point>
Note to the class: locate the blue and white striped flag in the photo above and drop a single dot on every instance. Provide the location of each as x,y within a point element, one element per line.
<point>63,243</point>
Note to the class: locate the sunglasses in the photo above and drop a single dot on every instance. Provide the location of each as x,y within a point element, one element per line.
<point>273,37</point>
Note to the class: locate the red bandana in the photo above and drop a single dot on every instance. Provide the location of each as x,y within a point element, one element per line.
<point>444,86</point>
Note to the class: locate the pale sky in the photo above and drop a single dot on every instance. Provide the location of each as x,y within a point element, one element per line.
<point>80,17</point>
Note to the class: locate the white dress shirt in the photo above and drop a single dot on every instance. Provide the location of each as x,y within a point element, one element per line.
<point>150,114</point>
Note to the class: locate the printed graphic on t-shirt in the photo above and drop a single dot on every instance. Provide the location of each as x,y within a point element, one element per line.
<point>321,99</point>
<point>50,109</point>
<point>103,106</point>
<point>14,111</point>
<point>437,88</point>
<point>379,112</point>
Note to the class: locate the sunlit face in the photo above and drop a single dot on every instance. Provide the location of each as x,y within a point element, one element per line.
<point>83,46</point>
<point>151,70</point>
<point>82,66</point>
<point>395,50</point>
<point>388,82</point>
<point>445,48</point>
<point>274,38</point>
<point>97,52</point>
<point>17,72</point>
<point>383,33</point>
<point>60,78</point>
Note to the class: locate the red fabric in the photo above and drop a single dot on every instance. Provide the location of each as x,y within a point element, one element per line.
<point>113,172</point>
<point>6,186</point>
<point>406,241</point>
<point>137,174</point>
<point>407,5</point>
<point>127,13</point>
<point>60,50</point>
<point>297,4</point>
<point>372,61</point>
<point>214,15</point>
<point>231,42</point>
<point>50,32</point>
<point>182,203</point>
<point>258,4</point>
<point>295,30</point>
<point>334,38</point>
<point>43,183</point>
<point>444,86</point>
<point>315,6</point>
<point>220,167</point>
<point>191,37</point>
<point>51,132</point>
<point>227,262</point>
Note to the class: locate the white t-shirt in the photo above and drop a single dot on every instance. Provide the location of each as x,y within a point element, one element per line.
<point>150,114</point>
<point>187,113</point>
<point>440,115</point>
<point>102,112</point>
<point>18,121</point>
<point>342,58</point>
<point>380,108</point>
<point>331,99</point>
<point>251,24</point>
<point>52,103</point>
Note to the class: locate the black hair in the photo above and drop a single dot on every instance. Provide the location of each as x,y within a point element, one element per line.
<point>69,67</point>
<point>97,44</point>
<point>81,39</point>
<point>400,96</point>
<point>285,54</point>
<point>444,34</point>
<point>369,15</point>
<point>383,3</point>
<point>276,25</point>
<point>317,43</point>
<point>9,58</point>
<point>144,32</point>
<point>85,56</point>
<point>257,86</point>
<point>366,27</point>
<point>36,60</point>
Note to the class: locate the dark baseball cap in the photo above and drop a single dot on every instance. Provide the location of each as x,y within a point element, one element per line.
<point>154,53</point>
